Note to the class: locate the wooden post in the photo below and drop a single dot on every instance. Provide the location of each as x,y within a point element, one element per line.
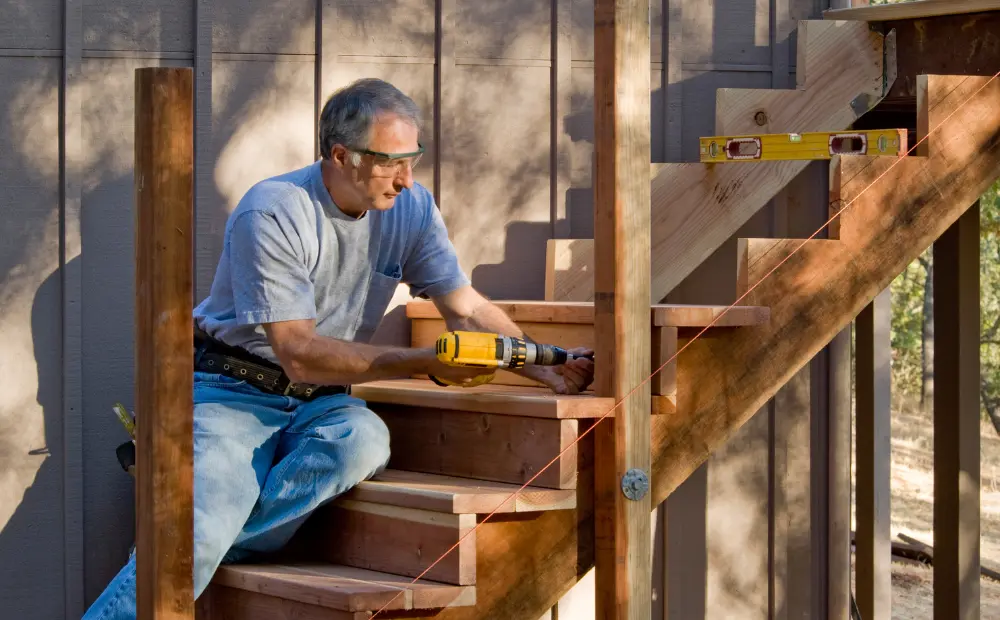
<point>956,420</point>
<point>874,556</point>
<point>164,195</point>
<point>621,304</point>
<point>839,485</point>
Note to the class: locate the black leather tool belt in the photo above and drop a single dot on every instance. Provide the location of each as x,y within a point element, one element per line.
<point>211,355</point>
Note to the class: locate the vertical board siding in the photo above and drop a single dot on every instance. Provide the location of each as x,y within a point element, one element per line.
<point>138,25</point>
<point>32,457</point>
<point>31,24</point>
<point>72,307</point>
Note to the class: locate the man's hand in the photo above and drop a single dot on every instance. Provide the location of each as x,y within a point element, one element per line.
<point>573,377</point>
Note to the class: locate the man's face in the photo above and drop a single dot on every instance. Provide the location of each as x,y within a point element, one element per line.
<point>377,179</point>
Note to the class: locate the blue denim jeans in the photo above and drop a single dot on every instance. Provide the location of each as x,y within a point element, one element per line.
<point>262,464</point>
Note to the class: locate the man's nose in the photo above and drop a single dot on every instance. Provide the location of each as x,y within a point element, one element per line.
<point>405,177</point>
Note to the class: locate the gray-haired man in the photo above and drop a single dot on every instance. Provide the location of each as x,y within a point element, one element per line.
<point>310,262</point>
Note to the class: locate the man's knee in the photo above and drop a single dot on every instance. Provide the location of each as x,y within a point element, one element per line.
<point>368,441</point>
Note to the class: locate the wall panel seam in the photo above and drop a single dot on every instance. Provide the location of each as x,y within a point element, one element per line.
<point>70,147</point>
<point>202,134</point>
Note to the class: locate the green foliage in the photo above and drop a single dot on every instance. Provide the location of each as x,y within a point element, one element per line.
<point>908,312</point>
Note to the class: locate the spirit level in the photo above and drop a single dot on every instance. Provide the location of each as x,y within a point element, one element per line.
<point>811,145</point>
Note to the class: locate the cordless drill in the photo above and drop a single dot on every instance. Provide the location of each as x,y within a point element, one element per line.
<point>486,350</point>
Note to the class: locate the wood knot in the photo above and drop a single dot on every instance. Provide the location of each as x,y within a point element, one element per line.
<point>760,118</point>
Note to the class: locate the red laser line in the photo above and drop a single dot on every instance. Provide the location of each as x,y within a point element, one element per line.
<point>674,356</point>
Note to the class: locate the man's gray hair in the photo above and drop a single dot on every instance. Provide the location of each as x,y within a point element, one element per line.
<point>349,113</point>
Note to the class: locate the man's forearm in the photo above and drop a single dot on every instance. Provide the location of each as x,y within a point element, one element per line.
<point>328,361</point>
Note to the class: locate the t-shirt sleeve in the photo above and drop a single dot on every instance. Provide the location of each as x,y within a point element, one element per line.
<point>270,279</point>
<point>432,269</point>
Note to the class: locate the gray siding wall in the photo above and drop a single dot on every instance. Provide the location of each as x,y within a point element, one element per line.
<point>509,133</point>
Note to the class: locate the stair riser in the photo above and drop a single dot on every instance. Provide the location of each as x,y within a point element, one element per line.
<point>400,541</point>
<point>499,448</point>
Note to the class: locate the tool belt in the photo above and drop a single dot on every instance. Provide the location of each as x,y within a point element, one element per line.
<point>211,355</point>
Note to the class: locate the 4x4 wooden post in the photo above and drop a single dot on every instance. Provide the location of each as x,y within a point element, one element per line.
<point>164,364</point>
<point>621,306</point>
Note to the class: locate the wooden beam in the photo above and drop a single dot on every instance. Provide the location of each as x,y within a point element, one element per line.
<point>874,555</point>
<point>164,365</point>
<point>622,297</point>
<point>956,420</point>
<point>912,10</point>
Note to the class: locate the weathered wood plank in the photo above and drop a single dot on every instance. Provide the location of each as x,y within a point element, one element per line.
<point>395,540</point>
<point>956,417</point>
<point>912,10</point>
<point>500,448</point>
<point>622,296</point>
<point>164,183</point>
<point>457,495</point>
<point>873,563</point>
<point>342,588</point>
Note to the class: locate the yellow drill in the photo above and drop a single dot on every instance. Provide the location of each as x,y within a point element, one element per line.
<point>486,350</point>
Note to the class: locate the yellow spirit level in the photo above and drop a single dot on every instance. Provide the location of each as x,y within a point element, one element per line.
<point>811,145</point>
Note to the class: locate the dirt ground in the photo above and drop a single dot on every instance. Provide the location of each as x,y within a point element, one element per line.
<point>912,511</point>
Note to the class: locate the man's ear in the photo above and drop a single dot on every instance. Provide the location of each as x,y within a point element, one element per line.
<point>339,157</point>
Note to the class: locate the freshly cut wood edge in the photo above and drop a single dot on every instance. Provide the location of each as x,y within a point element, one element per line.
<point>457,495</point>
<point>395,540</point>
<point>840,65</point>
<point>912,10</point>
<point>343,587</point>
<point>495,399</point>
<point>582,312</point>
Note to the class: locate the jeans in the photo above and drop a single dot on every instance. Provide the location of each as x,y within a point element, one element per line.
<point>262,464</point>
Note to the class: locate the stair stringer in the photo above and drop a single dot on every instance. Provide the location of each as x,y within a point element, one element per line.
<point>526,564</point>
<point>696,207</point>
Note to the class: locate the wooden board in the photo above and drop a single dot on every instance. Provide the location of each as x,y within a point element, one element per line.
<point>842,60</point>
<point>912,10</point>
<point>582,312</point>
<point>457,495</point>
<point>496,399</point>
<point>343,588</point>
<point>400,541</point>
<point>220,602</point>
<point>164,278</point>
<point>697,207</point>
<point>499,448</point>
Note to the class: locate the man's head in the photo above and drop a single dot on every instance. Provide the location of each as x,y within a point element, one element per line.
<point>368,135</point>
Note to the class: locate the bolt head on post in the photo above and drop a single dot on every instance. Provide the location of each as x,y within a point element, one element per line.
<point>635,484</point>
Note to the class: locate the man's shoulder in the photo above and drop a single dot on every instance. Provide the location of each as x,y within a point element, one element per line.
<point>280,195</point>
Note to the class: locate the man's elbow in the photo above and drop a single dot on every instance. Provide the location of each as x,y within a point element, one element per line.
<point>291,347</point>
<point>462,305</point>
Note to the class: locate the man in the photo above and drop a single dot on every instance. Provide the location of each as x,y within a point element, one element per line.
<point>310,262</point>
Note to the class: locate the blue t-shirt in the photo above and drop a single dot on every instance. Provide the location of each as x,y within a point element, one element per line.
<point>290,253</point>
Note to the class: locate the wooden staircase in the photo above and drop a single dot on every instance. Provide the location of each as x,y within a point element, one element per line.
<point>457,454</point>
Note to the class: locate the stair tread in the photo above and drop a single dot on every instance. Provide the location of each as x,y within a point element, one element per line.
<point>536,402</point>
<point>343,587</point>
<point>457,495</point>
<point>582,312</point>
